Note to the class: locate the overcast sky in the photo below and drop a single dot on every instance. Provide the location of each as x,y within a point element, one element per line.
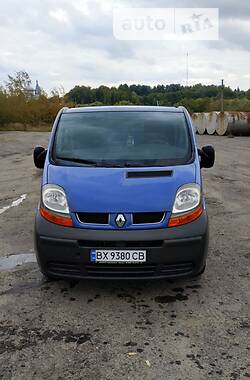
<point>69,42</point>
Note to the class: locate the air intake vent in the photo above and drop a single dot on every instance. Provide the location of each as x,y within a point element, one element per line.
<point>150,174</point>
<point>63,269</point>
<point>147,217</point>
<point>93,217</point>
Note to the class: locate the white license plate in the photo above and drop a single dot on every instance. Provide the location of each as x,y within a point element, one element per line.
<point>117,256</point>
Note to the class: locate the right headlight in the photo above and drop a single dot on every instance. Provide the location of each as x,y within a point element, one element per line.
<point>54,198</point>
<point>187,205</point>
<point>54,206</point>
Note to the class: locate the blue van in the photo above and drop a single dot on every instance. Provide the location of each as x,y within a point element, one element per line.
<point>121,195</point>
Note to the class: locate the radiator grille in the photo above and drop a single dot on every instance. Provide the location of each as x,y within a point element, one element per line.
<point>147,217</point>
<point>103,218</point>
<point>93,217</point>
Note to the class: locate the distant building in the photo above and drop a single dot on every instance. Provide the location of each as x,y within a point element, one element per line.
<point>38,89</point>
<point>33,92</point>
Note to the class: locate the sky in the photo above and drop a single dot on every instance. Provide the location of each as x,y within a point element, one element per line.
<point>71,42</point>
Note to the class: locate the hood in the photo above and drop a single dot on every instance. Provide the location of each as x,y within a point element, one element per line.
<point>93,189</point>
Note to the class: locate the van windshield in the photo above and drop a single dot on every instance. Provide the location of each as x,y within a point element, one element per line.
<point>122,139</point>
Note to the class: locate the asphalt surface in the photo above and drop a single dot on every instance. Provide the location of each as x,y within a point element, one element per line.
<point>186,329</point>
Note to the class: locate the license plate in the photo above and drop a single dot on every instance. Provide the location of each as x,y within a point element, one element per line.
<point>117,256</point>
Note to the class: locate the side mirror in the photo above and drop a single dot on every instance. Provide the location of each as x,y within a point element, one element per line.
<point>207,156</point>
<point>39,156</point>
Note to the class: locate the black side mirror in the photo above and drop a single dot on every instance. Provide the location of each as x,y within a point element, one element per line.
<point>207,156</point>
<point>39,156</point>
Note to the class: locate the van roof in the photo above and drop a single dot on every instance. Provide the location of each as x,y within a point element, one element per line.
<point>123,109</point>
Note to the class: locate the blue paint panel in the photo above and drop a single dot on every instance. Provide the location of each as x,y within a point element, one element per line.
<point>108,190</point>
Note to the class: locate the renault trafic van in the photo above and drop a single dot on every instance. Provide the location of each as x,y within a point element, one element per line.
<point>122,195</point>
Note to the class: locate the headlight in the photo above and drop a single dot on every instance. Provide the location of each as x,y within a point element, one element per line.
<point>54,198</point>
<point>187,198</point>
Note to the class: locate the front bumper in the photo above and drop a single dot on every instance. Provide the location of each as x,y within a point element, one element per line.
<point>64,252</point>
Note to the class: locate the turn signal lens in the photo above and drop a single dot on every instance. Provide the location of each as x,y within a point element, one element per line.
<point>55,218</point>
<point>186,218</point>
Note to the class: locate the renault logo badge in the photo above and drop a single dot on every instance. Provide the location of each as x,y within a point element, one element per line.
<point>120,220</point>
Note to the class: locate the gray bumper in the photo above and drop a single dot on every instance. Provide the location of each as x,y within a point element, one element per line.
<point>171,252</point>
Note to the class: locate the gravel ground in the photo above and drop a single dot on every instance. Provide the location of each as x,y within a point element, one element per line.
<point>186,329</point>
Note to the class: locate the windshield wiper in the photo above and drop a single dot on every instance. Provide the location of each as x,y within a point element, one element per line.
<point>102,163</point>
<point>79,160</point>
<point>134,165</point>
<point>131,164</point>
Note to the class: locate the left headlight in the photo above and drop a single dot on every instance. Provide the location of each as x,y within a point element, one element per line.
<point>187,205</point>
<point>187,198</point>
<point>54,198</point>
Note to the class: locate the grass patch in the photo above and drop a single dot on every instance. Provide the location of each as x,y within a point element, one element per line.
<point>26,127</point>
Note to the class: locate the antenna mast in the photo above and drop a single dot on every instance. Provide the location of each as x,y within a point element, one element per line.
<point>187,69</point>
<point>222,95</point>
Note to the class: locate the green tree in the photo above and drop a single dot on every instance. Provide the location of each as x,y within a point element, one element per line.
<point>19,83</point>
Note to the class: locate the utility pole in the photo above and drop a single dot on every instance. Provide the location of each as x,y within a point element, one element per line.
<point>222,95</point>
<point>187,68</point>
